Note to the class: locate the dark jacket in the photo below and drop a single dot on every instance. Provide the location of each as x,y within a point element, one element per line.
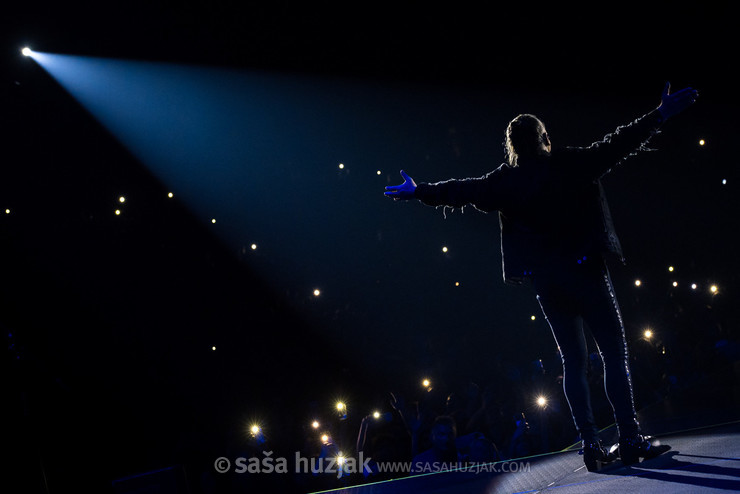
<point>552,208</point>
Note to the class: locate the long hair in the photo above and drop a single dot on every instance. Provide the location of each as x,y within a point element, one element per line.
<point>523,137</point>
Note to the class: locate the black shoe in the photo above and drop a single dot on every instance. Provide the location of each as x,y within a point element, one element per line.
<point>638,446</point>
<point>595,455</point>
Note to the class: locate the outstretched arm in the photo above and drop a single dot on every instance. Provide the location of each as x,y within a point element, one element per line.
<point>485,193</point>
<point>599,158</point>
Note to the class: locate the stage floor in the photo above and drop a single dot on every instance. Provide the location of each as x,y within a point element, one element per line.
<point>705,459</point>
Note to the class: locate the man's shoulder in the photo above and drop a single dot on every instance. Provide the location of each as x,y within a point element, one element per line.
<point>503,169</point>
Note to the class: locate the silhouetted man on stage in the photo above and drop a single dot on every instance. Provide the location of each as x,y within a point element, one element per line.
<point>556,231</point>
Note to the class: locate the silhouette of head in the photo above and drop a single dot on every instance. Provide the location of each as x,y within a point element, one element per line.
<point>444,433</point>
<point>526,137</point>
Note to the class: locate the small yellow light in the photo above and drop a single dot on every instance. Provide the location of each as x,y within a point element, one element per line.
<point>325,438</point>
<point>675,283</point>
<point>316,292</point>
<point>213,220</point>
<point>254,246</point>
<point>378,172</point>
<point>376,414</point>
<point>444,249</point>
<point>541,401</point>
<point>341,166</point>
<point>713,288</point>
<point>670,268</point>
<point>340,459</point>
<point>702,142</point>
<point>118,212</point>
<point>121,199</point>
<point>533,317</point>
<point>315,424</point>
<point>213,348</point>
<point>7,211</point>
<point>693,286</point>
<point>255,429</point>
<point>340,406</point>
<point>648,334</point>
<point>426,383</point>
<point>170,195</point>
<point>638,282</point>
<point>457,283</point>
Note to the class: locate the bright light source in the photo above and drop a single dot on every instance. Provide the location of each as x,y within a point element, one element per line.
<point>541,401</point>
<point>724,181</point>
<point>675,283</point>
<point>376,414</point>
<point>670,268</point>
<point>648,334</point>
<point>713,288</point>
<point>255,429</point>
<point>7,211</point>
<point>316,292</point>
<point>693,286</point>
<point>213,220</point>
<point>426,383</point>
<point>315,424</point>
<point>254,246</point>
<point>702,142</point>
<point>213,348</point>
<point>457,283</point>
<point>117,212</point>
<point>341,406</point>
<point>170,195</point>
<point>533,317</point>
<point>638,282</point>
<point>341,166</point>
<point>121,199</point>
<point>341,459</point>
<point>325,438</point>
<point>444,249</point>
<point>26,51</point>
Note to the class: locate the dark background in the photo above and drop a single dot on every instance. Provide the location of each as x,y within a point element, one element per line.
<point>110,323</point>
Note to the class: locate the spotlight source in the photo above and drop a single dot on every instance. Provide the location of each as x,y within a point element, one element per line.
<point>26,51</point>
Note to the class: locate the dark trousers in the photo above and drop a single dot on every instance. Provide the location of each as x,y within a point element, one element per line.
<point>570,294</point>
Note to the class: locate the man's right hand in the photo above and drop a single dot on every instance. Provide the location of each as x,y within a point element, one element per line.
<point>673,103</point>
<point>402,192</point>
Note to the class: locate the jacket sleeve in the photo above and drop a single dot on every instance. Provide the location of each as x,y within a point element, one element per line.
<point>600,157</point>
<point>486,193</point>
